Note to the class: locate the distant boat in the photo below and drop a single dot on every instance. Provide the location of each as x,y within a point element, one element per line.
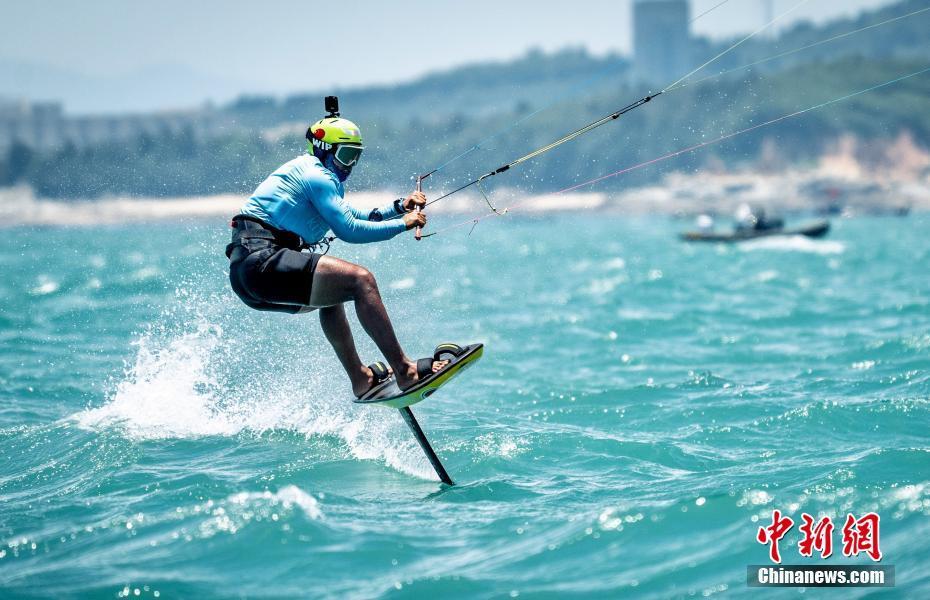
<point>815,229</point>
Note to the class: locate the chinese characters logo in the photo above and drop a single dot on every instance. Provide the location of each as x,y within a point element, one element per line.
<point>859,535</point>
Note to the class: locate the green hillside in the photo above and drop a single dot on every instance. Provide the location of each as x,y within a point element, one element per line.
<point>416,126</point>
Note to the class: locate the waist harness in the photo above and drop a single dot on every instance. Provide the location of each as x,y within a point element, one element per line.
<point>246,228</point>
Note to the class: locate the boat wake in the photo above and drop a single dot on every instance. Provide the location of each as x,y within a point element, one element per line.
<point>794,243</point>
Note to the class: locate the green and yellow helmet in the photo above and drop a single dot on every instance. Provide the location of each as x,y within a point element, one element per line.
<point>338,136</point>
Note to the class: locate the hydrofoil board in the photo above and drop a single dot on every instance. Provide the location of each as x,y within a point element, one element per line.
<point>388,394</point>
<point>391,396</point>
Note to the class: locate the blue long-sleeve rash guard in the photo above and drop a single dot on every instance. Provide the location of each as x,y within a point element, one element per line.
<point>304,197</point>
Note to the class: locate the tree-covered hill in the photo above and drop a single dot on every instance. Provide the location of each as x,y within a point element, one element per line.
<point>415,126</point>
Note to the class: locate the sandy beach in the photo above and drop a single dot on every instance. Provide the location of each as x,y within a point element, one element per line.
<point>832,190</point>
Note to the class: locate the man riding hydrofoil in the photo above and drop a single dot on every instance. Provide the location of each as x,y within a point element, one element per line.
<point>291,211</point>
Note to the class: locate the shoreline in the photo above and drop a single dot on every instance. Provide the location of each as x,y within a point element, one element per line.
<point>679,195</point>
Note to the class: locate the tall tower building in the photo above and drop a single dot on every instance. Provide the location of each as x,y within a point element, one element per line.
<point>661,40</point>
<point>768,14</point>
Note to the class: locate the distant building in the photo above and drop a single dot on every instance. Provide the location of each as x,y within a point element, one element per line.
<point>44,125</point>
<point>35,124</point>
<point>661,40</point>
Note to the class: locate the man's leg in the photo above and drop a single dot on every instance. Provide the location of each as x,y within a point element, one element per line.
<point>336,281</point>
<point>337,330</point>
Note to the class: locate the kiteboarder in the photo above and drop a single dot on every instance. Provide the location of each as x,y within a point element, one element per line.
<point>290,213</point>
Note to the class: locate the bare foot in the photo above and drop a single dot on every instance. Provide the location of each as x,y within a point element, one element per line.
<point>410,377</point>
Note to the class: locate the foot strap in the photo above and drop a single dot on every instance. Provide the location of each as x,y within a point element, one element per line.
<point>379,371</point>
<point>425,365</point>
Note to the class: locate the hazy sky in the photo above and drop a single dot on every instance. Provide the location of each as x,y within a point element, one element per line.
<point>274,46</point>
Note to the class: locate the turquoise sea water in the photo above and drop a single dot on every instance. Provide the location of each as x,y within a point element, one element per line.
<point>642,406</point>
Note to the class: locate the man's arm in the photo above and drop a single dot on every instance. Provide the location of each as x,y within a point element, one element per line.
<point>388,212</point>
<point>395,209</point>
<point>349,223</point>
<point>399,208</point>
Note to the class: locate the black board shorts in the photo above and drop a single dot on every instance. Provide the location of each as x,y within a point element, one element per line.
<point>267,269</point>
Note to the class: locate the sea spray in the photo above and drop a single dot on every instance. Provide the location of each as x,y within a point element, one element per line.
<point>192,378</point>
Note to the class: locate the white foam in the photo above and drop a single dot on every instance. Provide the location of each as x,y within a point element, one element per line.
<point>765,276</point>
<point>145,274</point>
<point>643,314</point>
<point>795,243</point>
<point>173,390</point>
<point>287,497</point>
<point>403,284</point>
<point>600,286</point>
<point>495,444</point>
<point>168,393</point>
<point>45,286</point>
<point>238,510</point>
<point>615,264</point>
